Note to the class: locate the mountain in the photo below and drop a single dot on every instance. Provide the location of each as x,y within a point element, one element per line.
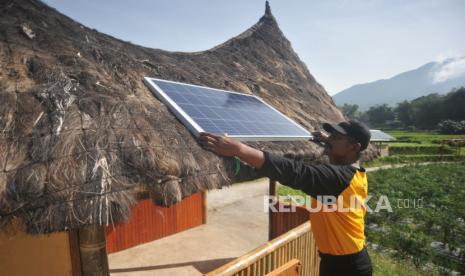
<point>433,77</point>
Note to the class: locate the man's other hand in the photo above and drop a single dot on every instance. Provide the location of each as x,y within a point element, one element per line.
<point>320,136</point>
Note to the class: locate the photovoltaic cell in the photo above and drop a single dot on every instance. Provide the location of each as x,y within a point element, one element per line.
<point>244,117</point>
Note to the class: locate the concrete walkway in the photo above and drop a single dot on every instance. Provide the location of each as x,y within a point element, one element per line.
<point>237,223</point>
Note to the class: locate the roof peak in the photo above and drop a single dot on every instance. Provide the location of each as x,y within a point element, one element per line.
<point>267,8</point>
<point>268,15</point>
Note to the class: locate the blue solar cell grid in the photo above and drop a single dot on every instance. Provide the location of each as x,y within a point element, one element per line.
<point>220,111</point>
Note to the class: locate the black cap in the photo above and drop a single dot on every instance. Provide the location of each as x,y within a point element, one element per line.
<point>354,129</point>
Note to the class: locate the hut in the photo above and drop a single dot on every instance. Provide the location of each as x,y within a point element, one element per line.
<point>90,159</point>
<point>379,140</point>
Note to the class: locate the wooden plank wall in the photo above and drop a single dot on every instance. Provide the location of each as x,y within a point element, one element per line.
<point>38,255</point>
<point>281,222</point>
<point>149,222</point>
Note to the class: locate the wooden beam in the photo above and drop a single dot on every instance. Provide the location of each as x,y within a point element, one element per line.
<point>291,268</point>
<point>73,238</point>
<point>204,207</point>
<point>92,247</point>
<point>273,191</point>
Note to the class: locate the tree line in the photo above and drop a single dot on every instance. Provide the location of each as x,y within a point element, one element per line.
<point>444,113</point>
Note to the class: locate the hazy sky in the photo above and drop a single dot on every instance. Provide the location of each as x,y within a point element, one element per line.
<point>343,42</point>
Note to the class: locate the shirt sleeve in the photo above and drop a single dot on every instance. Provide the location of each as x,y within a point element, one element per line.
<point>314,180</point>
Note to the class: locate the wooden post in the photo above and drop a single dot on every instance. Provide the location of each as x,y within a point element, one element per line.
<point>92,246</point>
<point>204,207</point>
<point>73,238</point>
<point>272,192</point>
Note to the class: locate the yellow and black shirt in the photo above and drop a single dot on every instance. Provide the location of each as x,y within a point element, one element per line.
<point>338,230</point>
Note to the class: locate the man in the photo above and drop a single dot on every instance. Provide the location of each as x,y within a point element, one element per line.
<point>339,234</point>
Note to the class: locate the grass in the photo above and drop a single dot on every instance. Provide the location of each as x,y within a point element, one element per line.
<point>411,159</point>
<point>417,147</point>
<point>284,191</point>
<point>421,149</point>
<point>420,137</point>
<point>384,265</point>
<point>411,230</point>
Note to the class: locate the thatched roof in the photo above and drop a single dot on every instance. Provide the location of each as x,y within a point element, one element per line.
<point>80,134</point>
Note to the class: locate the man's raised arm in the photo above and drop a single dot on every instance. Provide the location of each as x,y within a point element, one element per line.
<point>314,180</point>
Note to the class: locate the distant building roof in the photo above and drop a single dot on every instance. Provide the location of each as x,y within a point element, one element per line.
<point>380,136</point>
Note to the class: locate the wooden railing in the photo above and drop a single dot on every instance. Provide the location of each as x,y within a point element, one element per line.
<point>297,243</point>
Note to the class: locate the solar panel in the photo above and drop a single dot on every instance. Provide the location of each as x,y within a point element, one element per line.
<point>380,136</point>
<point>244,117</point>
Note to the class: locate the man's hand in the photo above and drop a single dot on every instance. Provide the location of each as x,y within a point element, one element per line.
<point>221,145</point>
<point>320,136</point>
<point>226,146</point>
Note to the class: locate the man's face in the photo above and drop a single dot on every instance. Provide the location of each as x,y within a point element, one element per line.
<point>340,146</point>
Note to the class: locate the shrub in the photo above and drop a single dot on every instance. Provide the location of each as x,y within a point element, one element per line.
<point>421,150</point>
<point>451,127</point>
